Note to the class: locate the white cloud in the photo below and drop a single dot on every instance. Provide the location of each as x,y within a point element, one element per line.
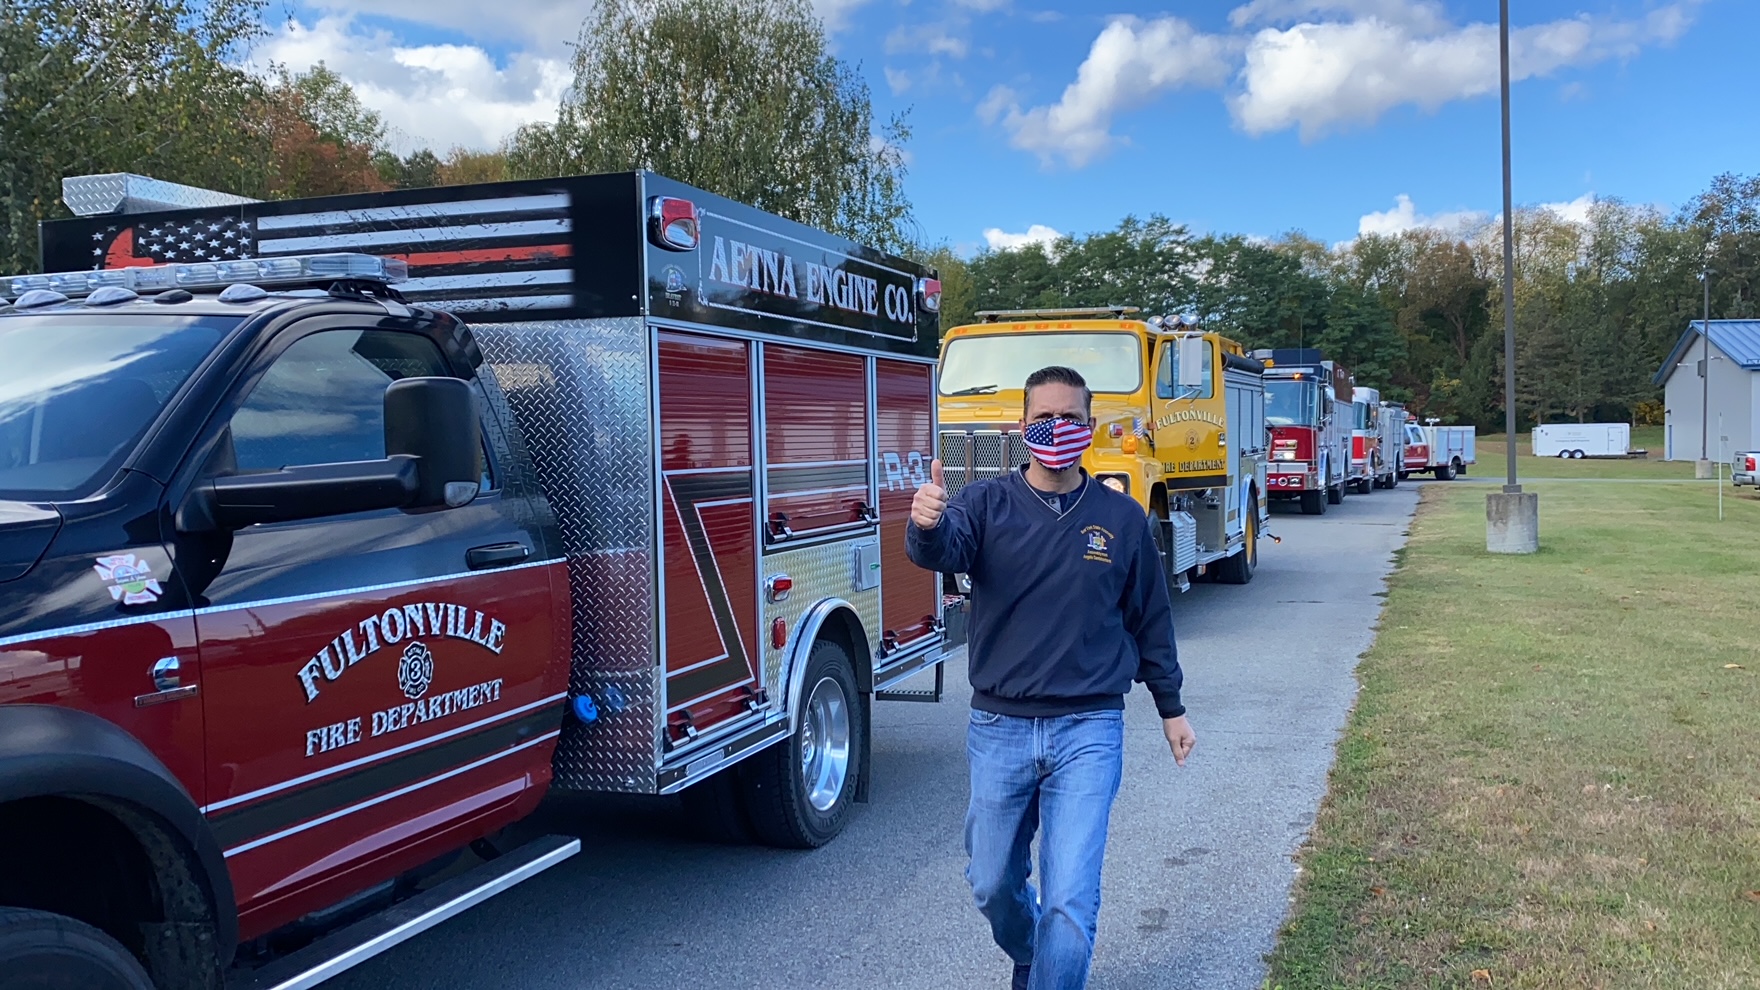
<point>1321,77</point>
<point>1001,240</point>
<point>431,95</point>
<point>550,25</point>
<point>926,39</point>
<point>1575,211</point>
<point>1318,66</point>
<point>1405,216</point>
<point>898,80</point>
<point>837,13</point>
<point>1131,63</point>
<point>1460,223</point>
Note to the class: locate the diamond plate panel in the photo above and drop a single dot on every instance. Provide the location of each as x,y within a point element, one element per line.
<point>121,192</point>
<point>827,570</point>
<point>582,392</point>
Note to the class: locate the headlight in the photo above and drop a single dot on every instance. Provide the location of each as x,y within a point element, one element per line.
<point>1117,482</point>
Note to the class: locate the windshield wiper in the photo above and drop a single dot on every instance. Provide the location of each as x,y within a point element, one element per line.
<point>975,390</point>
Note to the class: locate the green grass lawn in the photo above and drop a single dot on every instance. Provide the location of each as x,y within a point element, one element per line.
<point>1552,776</point>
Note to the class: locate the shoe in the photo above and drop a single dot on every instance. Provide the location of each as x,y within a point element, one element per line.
<point>1021,973</point>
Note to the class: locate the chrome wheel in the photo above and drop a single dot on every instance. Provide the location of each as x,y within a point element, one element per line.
<point>825,744</point>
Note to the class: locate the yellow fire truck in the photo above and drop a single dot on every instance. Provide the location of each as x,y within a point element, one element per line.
<point>1180,422</point>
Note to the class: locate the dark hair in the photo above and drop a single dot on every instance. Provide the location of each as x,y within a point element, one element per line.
<point>1057,374</point>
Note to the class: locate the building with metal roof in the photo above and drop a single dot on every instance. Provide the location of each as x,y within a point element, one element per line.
<point>1712,376</point>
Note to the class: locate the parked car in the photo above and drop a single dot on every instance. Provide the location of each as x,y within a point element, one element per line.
<point>1744,469</point>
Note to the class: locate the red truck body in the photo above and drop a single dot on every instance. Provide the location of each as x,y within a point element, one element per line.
<point>700,429</point>
<point>1308,409</point>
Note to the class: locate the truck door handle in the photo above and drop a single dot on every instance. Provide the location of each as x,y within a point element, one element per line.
<point>496,555</point>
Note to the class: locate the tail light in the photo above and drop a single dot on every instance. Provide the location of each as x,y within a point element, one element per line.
<point>673,223</point>
<point>929,294</point>
<point>1751,465</point>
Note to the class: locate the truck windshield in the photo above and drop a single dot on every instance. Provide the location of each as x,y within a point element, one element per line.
<point>1292,403</point>
<point>77,392</point>
<point>1110,362</point>
<point>1363,419</point>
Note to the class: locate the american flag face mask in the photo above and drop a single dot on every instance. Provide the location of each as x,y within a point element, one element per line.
<point>1057,443</point>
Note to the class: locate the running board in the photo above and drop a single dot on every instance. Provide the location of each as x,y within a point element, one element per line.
<point>334,954</point>
<point>926,694</point>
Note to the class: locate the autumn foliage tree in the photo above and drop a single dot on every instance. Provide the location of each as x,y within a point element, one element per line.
<point>91,86</point>
<point>321,141</point>
<point>740,97</point>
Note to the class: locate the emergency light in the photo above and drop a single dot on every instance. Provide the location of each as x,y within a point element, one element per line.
<point>195,276</point>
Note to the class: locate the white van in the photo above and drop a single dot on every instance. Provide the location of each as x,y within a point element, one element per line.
<point>1579,440</point>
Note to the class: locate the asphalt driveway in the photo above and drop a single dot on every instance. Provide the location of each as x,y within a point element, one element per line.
<point>1198,872</point>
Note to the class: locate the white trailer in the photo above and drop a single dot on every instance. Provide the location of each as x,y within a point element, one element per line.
<point>1580,440</point>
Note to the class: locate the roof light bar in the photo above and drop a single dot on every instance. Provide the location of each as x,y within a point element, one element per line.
<point>264,272</point>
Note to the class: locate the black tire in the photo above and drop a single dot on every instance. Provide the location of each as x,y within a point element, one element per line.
<point>1239,568</point>
<point>1314,503</point>
<point>1445,473</point>
<point>1460,469</point>
<point>777,799</point>
<point>1393,480</point>
<point>715,810</point>
<point>43,951</point>
<point>1158,532</point>
<point>1335,494</point>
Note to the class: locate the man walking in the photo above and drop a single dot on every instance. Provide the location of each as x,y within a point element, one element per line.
<point>1069,606</point>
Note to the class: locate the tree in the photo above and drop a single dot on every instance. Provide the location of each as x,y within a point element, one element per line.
<point>322,140</point>
<point>740,97</point>
<point>1257,294</point>
<point>419,170</point>
<point>958,291</point>
<point>463,166</point>
<point>92,86</point>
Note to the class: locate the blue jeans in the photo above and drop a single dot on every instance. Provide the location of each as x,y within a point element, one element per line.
<point>1058,775</point>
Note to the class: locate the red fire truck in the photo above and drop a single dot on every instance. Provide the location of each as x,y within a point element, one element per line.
<point>1307,407</point>
<point>334,532</point>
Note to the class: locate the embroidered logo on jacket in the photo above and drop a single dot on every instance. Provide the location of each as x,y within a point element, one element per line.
<point>1099,541</point>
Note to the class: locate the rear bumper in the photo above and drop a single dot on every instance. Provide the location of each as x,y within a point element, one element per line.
<point>1740,478</point>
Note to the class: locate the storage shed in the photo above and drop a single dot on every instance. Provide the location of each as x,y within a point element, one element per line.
<point>1733,390</point>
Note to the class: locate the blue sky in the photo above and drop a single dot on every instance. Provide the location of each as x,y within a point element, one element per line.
<point>1252,116</point>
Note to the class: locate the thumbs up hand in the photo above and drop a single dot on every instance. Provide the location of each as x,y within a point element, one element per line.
<point>931,499</point>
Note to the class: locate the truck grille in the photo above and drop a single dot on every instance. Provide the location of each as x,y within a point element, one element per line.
<point>973,456</point>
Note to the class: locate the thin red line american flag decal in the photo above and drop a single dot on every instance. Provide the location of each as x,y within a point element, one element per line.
<point>509,253</point>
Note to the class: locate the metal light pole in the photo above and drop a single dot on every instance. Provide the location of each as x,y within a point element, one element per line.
<point>1703,468</point>
<point>1512,517</point>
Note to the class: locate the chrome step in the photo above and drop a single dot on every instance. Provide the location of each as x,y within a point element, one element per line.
<point>351,946</point>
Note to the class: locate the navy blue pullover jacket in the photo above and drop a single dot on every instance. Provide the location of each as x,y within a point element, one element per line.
<point>1067,610</point>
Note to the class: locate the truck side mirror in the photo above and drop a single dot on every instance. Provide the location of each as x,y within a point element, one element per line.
<point>1191,362</point>
<point>433,442</point>
<point>435,421</point>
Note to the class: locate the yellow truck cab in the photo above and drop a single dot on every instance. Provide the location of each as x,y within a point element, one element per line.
<point>1179,422</point>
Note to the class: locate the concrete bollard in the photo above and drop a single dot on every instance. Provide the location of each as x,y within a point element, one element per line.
<point>1702,471</point>
<point>1512,522</point>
